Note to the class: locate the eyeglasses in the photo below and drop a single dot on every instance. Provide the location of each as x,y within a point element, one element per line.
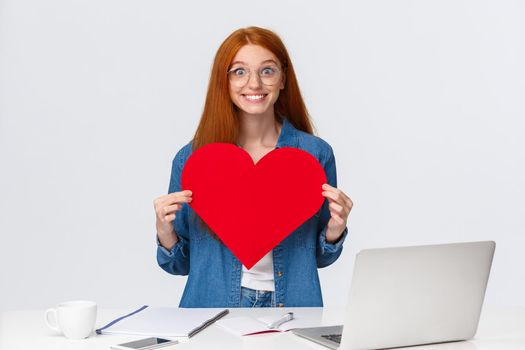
<point>240,76</point>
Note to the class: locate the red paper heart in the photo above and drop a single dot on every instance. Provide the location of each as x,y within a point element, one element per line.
<point>253,207</point>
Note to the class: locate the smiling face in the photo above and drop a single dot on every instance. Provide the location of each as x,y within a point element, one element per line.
<point>255,80</point>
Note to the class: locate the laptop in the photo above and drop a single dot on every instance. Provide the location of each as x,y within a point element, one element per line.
<point>411,296</point>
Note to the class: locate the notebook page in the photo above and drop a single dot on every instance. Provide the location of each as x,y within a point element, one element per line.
<point>163,322</point>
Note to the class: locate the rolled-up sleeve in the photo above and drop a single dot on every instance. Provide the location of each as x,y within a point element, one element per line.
<point>327,252</point>
<point>176,260</point>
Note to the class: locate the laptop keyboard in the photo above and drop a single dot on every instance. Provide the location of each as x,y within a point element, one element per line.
<point>333,337</point>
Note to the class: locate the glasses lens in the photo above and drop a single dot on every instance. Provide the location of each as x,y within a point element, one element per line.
<point>239,76</point>
<point>269,75</point>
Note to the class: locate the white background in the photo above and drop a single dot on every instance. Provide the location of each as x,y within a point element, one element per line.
<point>422,101</point>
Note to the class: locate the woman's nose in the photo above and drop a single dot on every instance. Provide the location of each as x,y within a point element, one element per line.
<point>254,81</point>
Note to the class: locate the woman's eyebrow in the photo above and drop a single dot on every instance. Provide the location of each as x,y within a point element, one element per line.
<point>236,62</point>
<point>263,62</point>
<point>272,61</point>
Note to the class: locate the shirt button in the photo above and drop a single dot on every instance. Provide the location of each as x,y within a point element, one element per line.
<point>280,305</point>
<point>279,274</point>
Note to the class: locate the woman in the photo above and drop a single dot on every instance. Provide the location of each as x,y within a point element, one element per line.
<point>253,101</point>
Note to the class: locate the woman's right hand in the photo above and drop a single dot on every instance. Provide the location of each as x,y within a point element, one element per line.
<point>166,207</point>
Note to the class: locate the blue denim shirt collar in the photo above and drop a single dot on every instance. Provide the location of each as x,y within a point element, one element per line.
<point>288,136</point>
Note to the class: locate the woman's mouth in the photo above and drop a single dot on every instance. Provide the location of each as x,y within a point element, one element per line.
<point>254,98</point>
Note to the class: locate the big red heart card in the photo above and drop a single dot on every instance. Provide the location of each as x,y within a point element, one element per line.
<point>253,207</point>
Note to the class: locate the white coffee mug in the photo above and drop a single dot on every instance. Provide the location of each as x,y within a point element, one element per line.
<point>76,319</point>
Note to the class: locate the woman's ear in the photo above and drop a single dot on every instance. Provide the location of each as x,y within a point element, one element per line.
<point>283,81</point>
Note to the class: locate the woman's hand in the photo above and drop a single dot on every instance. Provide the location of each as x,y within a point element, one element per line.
<point>166,208</point>
<point>340,206</point>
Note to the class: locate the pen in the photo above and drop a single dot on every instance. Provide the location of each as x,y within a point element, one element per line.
<point>287,317</point>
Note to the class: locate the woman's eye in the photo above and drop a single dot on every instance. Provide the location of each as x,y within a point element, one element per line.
<point>268,71</point>
<point>239,71</point>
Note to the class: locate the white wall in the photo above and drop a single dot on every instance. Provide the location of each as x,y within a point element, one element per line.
<point>421,100</point>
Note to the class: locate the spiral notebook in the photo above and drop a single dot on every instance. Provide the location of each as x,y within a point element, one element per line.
<point>163,322</point>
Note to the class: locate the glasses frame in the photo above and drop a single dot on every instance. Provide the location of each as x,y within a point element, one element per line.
<point>249,74</point>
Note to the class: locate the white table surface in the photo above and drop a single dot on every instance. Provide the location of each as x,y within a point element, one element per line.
<point>501,329</point>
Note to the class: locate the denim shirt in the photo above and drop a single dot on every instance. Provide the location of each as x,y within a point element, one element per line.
<point>214,273</point>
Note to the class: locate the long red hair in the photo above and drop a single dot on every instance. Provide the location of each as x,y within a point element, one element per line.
<point>219,121</point>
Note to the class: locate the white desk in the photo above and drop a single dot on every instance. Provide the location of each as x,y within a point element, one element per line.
<point>499,329</point>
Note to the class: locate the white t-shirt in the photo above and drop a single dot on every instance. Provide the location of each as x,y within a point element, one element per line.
<point>260,276</point>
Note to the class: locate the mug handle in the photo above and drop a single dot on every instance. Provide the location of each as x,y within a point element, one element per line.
<point>55,317</point>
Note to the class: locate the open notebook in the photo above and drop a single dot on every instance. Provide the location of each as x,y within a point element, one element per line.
<point>163,322</point>
<point>250,326</point>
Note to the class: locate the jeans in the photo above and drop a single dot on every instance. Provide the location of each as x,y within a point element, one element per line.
<point>257,298</point>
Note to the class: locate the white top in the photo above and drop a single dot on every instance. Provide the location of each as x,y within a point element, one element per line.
<point>260,276</point>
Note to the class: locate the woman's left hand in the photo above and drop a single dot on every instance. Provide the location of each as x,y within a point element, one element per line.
<point>340,206</point>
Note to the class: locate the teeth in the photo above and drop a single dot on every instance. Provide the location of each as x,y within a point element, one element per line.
<point>254,97</point>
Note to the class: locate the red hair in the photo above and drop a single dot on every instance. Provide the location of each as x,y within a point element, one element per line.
<point>219,121</point>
